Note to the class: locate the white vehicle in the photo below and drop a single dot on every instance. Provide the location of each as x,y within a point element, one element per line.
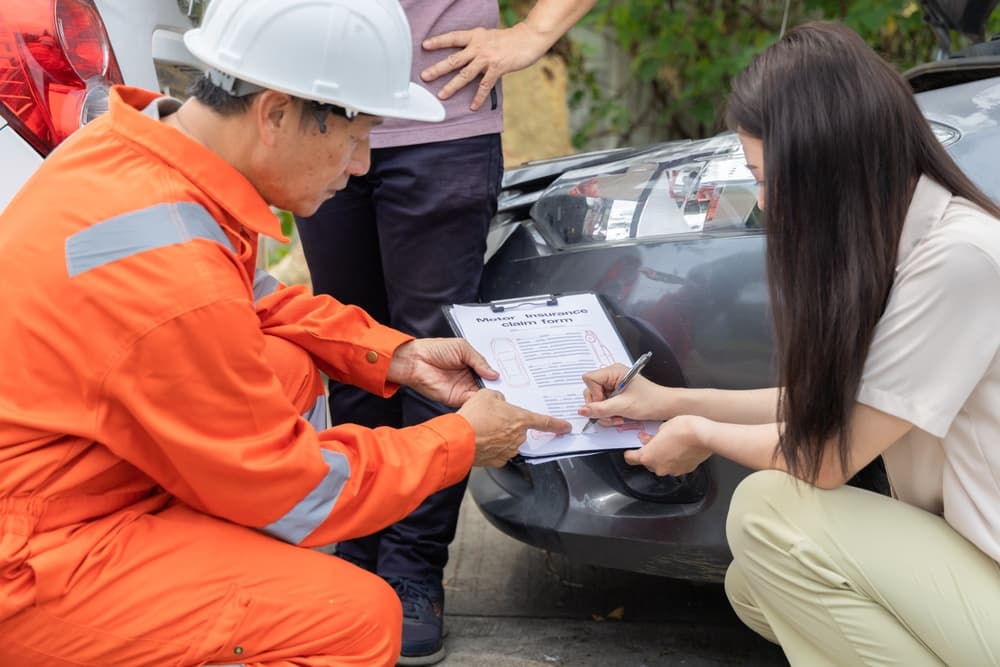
<point>58,58</point>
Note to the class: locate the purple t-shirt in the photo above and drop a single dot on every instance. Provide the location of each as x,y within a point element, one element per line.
<point>434,17</point>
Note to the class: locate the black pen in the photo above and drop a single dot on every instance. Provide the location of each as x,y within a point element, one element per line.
<point>632,372</point>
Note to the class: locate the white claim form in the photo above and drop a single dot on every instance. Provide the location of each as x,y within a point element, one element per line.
<point>542,346</point>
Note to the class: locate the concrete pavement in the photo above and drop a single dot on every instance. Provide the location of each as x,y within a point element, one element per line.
<point>511,605</point>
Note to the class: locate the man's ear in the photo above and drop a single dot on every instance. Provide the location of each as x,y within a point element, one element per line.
<point>274,112</point>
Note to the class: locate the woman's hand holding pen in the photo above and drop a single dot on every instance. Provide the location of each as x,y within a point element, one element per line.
<point>676,448</point>
<point>641,399</point>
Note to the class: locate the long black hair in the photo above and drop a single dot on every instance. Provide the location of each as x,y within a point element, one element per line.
<point>844,144</point>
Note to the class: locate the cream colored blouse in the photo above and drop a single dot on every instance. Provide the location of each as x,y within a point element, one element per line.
<point>934,362</point>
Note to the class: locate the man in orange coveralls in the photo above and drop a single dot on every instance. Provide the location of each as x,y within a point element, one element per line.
<point>163,453</point>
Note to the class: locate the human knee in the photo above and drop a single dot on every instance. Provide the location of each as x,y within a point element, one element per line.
<point>741,598</point>
<point>735,583</point>
<point>381,614</point>
<point>757,498</point>
<point>383,602</point>
<point>365,627</point>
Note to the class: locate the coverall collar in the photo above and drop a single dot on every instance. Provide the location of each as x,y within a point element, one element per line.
<point>213,175</point>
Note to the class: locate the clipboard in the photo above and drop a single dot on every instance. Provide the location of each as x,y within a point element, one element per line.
<point>532,304</point>
<point>542,345</point>
<point>527,303</point>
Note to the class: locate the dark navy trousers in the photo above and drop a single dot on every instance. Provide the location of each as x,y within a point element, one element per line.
<point>401,241</point>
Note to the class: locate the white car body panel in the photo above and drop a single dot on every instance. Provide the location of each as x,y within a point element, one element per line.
<point>18,163</point>
<point>142,32</point>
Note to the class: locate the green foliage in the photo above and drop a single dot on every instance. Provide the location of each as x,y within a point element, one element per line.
<point>287,222</point>
<point>682,55</point>
<point>277,251</point>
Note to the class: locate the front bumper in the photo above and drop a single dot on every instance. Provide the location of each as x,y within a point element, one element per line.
<point>584,509</point>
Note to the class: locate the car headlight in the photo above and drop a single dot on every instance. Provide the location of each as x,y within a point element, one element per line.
<point>675,188</point>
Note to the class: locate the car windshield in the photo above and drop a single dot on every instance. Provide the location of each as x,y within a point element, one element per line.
<point>679,188</point>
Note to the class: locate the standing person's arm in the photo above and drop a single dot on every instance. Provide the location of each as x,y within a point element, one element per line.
<point>493,53</point>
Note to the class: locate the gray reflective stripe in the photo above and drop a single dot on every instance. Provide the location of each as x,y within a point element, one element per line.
<point>263,284</point>
<point>139,231</point>
<point>317,415</point>
<point>312,510</point>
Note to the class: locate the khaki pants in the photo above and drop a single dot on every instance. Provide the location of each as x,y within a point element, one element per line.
<point>849,577</point>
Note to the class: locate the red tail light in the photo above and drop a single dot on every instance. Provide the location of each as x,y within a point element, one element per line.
<point>56,66</point>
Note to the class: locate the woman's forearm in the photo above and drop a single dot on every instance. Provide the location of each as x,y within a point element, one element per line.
<point>733,406</point>
<point>753,446</point>
<point>870,432</point>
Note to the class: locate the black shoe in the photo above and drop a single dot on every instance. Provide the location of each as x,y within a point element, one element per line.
<point>423,612</point>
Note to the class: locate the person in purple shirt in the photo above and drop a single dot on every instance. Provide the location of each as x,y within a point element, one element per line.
<point>409,236</point>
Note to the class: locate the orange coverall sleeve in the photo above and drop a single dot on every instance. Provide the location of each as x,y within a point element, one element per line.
<point>193,404</point>
<point>339,338</point>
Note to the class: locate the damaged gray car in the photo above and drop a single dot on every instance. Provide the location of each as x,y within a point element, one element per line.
<point>670,237</point>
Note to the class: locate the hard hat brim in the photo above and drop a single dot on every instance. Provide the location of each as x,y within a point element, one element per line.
<point>423,105</point>
<point>419,103</point>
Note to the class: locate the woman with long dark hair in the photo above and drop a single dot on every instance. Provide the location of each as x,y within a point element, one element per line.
<point>883,260</point>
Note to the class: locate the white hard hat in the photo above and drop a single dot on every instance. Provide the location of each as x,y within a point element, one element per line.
<point>352,53</point>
